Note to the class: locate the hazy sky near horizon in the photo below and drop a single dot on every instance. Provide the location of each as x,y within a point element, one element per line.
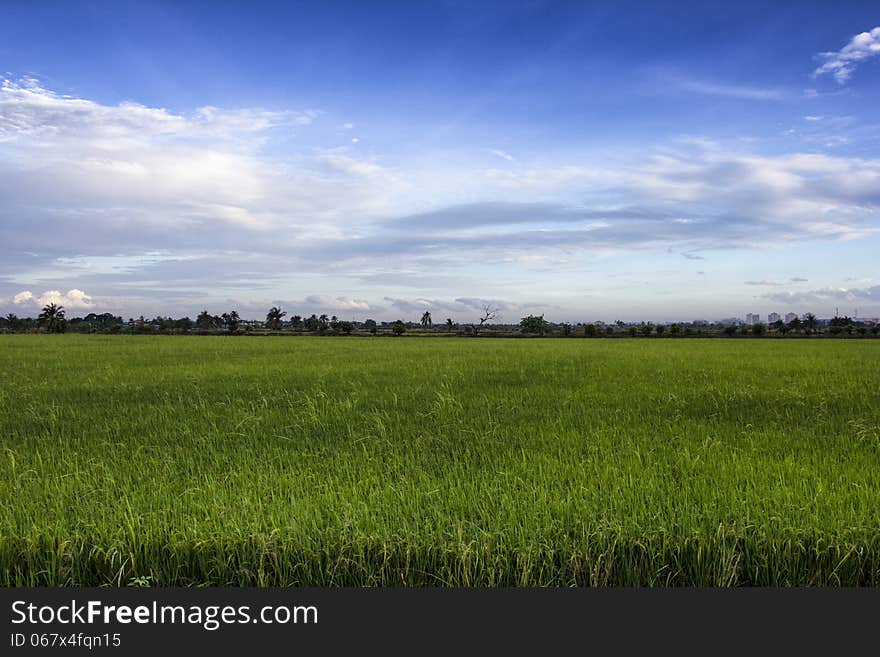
<point>585,160</point>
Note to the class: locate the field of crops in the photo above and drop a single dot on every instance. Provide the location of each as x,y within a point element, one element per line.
<point>383,461</point>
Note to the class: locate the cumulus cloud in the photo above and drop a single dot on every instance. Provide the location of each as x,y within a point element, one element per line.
<point>841,63</point>
<point>72,299</point>
<point>23,297</point>
<point>326,302</point>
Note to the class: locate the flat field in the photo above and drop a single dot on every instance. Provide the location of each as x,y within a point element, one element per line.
<point>477,462</point>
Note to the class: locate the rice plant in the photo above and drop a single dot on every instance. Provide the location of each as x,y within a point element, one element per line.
<point>443,462</point>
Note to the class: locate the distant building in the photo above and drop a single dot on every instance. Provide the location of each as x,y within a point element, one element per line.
<point>790,317</point>
<point>773,317</point>
<point>753,318</point>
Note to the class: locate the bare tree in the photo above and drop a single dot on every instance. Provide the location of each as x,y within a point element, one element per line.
<point>489,313</point>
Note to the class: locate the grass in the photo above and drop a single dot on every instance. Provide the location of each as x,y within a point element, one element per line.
<point>310,461</point>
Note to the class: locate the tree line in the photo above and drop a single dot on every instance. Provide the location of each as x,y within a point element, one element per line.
<point>53,319</point>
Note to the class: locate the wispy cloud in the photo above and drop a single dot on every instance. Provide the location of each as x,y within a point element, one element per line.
<point>28,109</point>
<point>828,294</point>
<point>744,92</point>
<point>504,155</point>
<point>842,63</point>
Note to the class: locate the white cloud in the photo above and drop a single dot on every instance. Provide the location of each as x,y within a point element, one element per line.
<point>796,195</point>
<point>870,295</point>
<point>151,207</point>
<point>729,90</point>
<point>28,109</point>
<point>345,164</point>
<point>841,63</point>
<point>504,155</point>
<point>326,302</point>
<point>73,299</point>
<point>129,166</point>
<point>546,178</point>
<point>23,297</point>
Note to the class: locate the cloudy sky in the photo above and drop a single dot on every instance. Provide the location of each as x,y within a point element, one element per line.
<point>657,161</point>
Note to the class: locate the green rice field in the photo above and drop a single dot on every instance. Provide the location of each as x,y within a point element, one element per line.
<point>310,461</point>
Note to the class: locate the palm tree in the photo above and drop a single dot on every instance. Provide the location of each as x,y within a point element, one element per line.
<point>52,317</point>
<point>204,321</point>
<point>426,319</point>
<point>810,322</point>
<point>231,320</point>
<point>273,318</point>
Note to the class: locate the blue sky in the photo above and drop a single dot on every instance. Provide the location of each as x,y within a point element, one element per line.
<point>658,161</point>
